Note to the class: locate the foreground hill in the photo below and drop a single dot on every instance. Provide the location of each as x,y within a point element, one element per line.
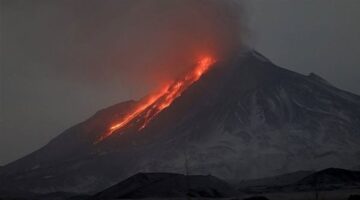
<point>166,185</point>
<point>331,179</point>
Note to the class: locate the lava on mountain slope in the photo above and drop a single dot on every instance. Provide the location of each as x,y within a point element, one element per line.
<point>153,104</point>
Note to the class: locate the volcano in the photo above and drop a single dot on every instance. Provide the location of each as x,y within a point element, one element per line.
<point>244,118</point>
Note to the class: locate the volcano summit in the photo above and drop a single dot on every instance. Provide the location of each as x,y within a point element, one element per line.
<point>244,118</point>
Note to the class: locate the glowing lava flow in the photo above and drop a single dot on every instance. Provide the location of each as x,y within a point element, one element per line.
<point>152,105</point>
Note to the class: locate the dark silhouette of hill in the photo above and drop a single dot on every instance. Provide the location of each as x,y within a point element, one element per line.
<point>327,179</point>
<point>167,185</point>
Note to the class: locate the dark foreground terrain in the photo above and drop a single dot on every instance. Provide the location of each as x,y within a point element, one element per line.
<point>328,184</point>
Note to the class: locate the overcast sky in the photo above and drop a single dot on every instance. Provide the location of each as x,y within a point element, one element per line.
<point>51,80</point>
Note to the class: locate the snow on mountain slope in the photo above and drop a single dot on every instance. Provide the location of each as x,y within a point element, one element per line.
<point>246,118</point>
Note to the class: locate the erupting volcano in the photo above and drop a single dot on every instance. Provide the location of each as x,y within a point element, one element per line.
<point>245,118</point>
<point>150,106</point>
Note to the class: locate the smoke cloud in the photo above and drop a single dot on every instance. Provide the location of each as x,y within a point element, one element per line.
<point>146,42</point>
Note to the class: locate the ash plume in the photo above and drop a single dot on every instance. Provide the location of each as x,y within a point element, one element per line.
<point>147,42</point>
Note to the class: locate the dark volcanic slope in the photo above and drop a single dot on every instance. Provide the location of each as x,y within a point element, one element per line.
<point>245,118</point>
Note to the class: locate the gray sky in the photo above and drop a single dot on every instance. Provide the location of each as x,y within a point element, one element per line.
<point>60,59</point>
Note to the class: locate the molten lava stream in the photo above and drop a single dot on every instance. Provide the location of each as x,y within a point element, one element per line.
<point>152,105</point>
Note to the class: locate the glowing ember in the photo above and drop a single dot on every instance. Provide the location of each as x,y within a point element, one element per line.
<point>152,105</point>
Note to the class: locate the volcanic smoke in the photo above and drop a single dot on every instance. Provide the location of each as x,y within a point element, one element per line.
<point>152,105</point>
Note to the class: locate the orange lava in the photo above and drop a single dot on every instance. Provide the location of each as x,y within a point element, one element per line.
<point>152,105</point>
